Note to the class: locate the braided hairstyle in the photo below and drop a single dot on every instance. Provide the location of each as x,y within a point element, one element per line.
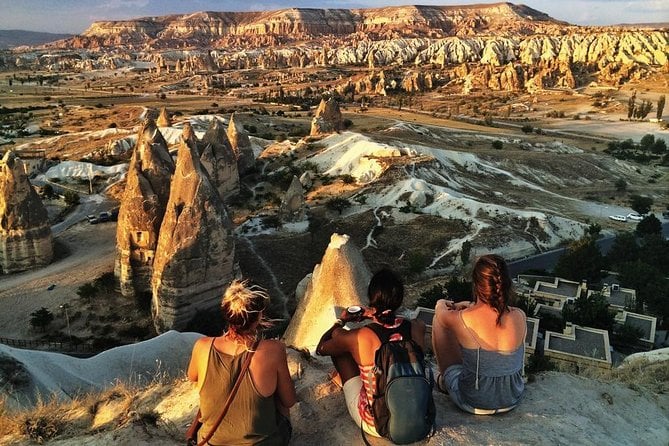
<point>386,293</point>
<point>242,306</point>
<point>491,283</point>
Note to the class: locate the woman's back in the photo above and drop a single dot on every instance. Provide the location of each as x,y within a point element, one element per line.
<point>479,328</point>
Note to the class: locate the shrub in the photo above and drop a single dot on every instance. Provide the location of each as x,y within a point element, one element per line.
<point>337,204</point>
<point>41,318</point>
<point>348,179</point>
<point>527,128</point>
<point>429,298</point>
<point>71,198</point>
<point>497,144</point>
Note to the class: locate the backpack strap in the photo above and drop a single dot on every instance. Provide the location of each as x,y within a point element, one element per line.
<point>384,333</point>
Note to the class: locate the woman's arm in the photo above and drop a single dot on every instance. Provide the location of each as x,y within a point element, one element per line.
<point>418,332</point>
<point>193,365</point>
<point>285,389</point>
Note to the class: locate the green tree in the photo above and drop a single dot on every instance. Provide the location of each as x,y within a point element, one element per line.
<point>624,249</point>
<point>621,185</point>
<point>590,311</point>
<point>647,281</point>
<point>497,144</point>
<point>641,203</point>
<point>337,204</point>
<point>649,225</point>
<point>594,230</point>
<point>465,251</point>
<point>647,141</point>
<point>71,198</point>
<point>87,291</point>
<point>41,318</point>
<point>581,260</point>
<point>659,146</point>
<point>660,107</point>
<point>631,105</point>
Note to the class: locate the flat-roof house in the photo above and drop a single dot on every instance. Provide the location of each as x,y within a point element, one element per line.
<point>645,324</point>
<point>618,297</point>
<point>579,346</point>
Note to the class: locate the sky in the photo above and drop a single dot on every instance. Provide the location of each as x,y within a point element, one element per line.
<point>74,16</point>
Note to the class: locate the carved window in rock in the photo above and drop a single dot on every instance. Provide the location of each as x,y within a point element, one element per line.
<point>140,239</point>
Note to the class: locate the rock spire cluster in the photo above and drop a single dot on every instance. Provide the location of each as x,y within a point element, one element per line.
<point>174,237</point>
<point>25,233</point>
<point>219,160</point>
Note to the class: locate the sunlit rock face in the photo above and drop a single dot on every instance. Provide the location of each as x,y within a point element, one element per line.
<point>241,146</point>
<point>327,119</point>
<point>340,280</point>
<point>25,233</point>
<point>142,210</point>
<point>292,208</point>
<point>164,119</point>
<point>218,158</point>
<point>195,253</point>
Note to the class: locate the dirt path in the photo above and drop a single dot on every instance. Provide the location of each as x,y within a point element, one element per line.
<point>91,253</point>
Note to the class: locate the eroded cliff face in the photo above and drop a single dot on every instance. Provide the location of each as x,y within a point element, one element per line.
<point>25,233</point>
<point>142,210</point>
<point>195,253</point>
<point>297,23</point>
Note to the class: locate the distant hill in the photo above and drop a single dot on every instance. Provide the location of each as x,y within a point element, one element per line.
<point>10,38</point>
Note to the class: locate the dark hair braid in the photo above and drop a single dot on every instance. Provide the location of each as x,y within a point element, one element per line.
<point>491,283</point>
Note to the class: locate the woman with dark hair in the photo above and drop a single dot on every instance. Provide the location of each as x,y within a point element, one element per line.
<point>480,346</point>
<point>353,351</point>
<point>258,414</point>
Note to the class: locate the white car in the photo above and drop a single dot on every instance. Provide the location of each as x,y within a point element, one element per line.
<point>634,216</point>
<point>618,217</point>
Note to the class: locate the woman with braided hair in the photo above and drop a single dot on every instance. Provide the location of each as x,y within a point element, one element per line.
<point>258,414</point>
<point>480,345</point>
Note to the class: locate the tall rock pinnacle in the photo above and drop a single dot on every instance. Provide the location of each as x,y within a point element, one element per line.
<point>195,253</point>
<point>219,160</point>
<point>341,279</point>
<point>241,145</point>
<point>142,210</point>
<point>25,234</point>
<point>327,119</point>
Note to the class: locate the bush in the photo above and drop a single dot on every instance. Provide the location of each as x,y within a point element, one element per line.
<point>429,298</point>
<point>527,128</point>
<point>348,179</point>
<point>71,198</point>
<point>497,144</point>
<point>41,318</point>
<point>337,204</point>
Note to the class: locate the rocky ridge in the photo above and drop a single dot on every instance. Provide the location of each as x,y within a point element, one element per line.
<point>25,232</point>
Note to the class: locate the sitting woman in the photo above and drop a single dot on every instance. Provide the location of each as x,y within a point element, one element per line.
<point>353,351</point>
<point>258,414</point>
<point>480,346</point>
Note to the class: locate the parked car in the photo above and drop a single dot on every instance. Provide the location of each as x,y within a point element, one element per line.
<point>104,216</point>
<point>634,216</point>
<point>92,219</point>
<point>618,217</point>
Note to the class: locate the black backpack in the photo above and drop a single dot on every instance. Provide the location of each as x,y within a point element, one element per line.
<point>403,407</point>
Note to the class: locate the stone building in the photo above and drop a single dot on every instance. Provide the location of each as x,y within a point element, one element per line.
<point>25,232</point>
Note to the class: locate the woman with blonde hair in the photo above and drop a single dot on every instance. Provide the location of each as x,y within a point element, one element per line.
<point>480,345</point>
<point>258,413</point>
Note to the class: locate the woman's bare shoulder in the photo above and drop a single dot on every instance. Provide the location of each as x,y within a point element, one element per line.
<point>272,346</point>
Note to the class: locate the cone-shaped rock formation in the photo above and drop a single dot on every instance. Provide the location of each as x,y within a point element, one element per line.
<point>142,210</point>
<point>195,254</point>
<point>340,280</point>
<point>25,234</point>
<point>164,118</point>
<point>327,119</point>
<point>219,160</point>
<point>292,207</point>
<point>241,145</point>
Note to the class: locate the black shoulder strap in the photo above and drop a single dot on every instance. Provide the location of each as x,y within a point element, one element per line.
<point>384,333</point>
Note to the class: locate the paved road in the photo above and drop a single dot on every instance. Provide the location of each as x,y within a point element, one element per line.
<point>548,260</point>
<point>88,204</point>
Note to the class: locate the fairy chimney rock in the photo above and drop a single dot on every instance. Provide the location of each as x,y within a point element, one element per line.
<point>328,118</point>
<point>292,207</point>
<point>195,253</point>
<point>142,210</point>
<point>219,160</point>
<point>188,134</point>
<point>25,234</point>
<point>340,280</point>
<point>241,145</point>
<point>164,118</point>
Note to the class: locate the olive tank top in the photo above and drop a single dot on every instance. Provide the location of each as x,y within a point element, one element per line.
<point>251,418</point>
